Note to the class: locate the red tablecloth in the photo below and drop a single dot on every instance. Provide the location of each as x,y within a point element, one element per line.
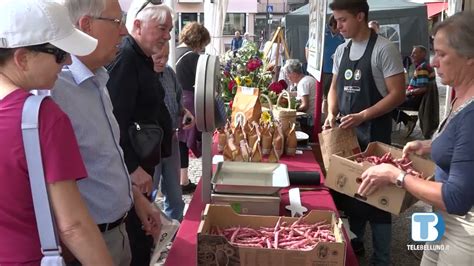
<point>184,250</point>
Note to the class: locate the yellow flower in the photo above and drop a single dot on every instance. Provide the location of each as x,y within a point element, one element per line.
<point>248,81</point>
<point>237,80</point>
<point>266,117</point>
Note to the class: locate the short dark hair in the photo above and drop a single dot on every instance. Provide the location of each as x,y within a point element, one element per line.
<point>332,21</point>
<point>352,6</point>
<point>5,55</point>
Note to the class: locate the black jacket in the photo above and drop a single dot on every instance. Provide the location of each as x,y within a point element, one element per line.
<point>137,96</point>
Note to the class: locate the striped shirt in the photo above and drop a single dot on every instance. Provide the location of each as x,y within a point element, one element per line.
<point>83,96</point>
<point>173,95</point>
<point>423,75</point>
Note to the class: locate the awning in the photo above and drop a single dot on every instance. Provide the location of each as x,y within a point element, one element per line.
<point>435,8</point>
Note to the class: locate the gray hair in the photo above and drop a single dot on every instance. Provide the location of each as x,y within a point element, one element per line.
<point>151,12</point>
<point>294,66</point>
<point>421,48</point>
<point>459,32</point>
<point>79,8</point>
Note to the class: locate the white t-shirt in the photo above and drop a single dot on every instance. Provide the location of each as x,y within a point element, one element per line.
<point>386,60</point>
<point>307,86</point>
<point>274,52</point>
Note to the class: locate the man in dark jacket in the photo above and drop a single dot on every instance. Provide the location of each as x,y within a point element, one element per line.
<point>138,96</point>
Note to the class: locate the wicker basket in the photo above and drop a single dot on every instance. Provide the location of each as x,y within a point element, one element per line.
<point>268,104</point>
<point>285,116</point>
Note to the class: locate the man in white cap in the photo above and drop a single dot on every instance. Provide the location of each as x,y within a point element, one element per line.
<point>81,92</point>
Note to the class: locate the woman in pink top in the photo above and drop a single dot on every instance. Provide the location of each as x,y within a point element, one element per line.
<point>36,38</point>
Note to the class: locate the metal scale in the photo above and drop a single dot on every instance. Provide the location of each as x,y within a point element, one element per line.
<point>206,88</point>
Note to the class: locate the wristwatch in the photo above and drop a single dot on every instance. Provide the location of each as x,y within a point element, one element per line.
<point>400,179</point>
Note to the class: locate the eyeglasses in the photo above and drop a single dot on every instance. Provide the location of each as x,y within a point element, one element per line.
<point>120,22</point>
<point>59,54</point>
<point>153,2</point>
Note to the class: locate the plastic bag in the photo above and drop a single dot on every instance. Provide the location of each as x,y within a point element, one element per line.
<point>169,227</point>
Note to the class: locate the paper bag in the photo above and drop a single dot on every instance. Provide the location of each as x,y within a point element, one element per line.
<point>342,142</point>
<point>247,101</point>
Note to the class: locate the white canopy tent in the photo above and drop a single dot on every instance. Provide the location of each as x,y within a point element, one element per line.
<point>214,17</point>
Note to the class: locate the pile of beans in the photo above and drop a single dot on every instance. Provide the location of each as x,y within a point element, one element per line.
<point>404,164</point>
<point>298,236</point>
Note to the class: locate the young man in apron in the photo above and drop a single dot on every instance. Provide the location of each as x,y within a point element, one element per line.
<point>368,83</point>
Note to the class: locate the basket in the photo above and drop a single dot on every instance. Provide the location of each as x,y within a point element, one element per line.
<point>268,103</point>
<point>285,116</point>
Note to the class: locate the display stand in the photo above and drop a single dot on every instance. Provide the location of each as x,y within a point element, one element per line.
<point>279,38</point>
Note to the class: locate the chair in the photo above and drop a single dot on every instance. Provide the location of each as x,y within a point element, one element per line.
<point>427,112</point>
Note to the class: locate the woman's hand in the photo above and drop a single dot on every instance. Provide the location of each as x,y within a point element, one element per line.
<point>377,176</point>
<point>417,147</point>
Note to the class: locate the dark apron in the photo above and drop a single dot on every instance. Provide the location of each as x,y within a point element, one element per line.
<point>357,91</point>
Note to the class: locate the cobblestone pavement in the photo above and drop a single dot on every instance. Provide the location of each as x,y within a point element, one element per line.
<point>400,224</point>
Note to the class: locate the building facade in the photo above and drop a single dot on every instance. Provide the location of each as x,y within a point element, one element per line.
<point>257,17</point>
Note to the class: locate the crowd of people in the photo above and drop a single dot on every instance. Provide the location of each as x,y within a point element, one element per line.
<point>107,75</point>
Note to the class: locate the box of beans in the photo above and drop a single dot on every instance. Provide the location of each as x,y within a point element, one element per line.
<point>344,174</point>
<point>227,238</point>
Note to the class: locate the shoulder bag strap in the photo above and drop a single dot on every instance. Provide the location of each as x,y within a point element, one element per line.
<point>50,246</point>
<point>181,57</point>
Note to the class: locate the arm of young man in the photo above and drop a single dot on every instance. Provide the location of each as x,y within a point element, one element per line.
<point>333,107</point>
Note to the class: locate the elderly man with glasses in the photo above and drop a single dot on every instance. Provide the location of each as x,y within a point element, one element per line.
<point>138,96</point>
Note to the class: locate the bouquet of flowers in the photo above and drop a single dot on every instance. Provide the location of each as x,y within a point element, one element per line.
<point>246,67</point>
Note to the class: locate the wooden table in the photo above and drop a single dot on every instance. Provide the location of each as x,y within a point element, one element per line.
<point>184,250</point>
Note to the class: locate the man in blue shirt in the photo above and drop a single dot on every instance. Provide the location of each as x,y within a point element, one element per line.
<point>82,94</point>
<point>236,42</point>
<point>332,39</point>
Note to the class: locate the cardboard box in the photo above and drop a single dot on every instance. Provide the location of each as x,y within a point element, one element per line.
<point>249,204</point>
<point>343,176</point>
<point>216,250</point>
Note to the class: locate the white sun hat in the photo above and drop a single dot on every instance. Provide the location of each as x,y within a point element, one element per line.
<point>32,22</point>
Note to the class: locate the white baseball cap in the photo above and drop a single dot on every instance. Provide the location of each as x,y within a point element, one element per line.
<point>33,22</point>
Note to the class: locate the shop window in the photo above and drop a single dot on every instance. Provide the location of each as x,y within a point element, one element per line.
<point>234,22</point>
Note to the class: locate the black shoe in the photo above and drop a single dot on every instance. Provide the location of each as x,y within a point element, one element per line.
<point>358,247</point>
<point>189,188</point>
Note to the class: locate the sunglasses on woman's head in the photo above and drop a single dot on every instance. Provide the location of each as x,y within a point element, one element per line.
<point>153,2</point>
<point>59,54</point>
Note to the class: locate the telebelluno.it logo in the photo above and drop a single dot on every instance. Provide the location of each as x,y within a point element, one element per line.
<point>426,227</point>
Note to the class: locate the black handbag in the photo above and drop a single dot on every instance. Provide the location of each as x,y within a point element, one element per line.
<point>146,140</point>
